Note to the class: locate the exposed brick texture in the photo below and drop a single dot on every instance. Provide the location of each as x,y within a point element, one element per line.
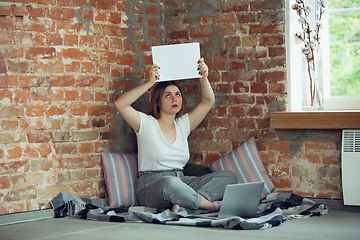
<point>63,64</point>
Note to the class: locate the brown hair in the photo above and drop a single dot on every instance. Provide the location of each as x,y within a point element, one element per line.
<point>154,109</point>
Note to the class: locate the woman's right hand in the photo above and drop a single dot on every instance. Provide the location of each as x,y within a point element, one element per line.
<point>123,103</point>
<point>153,73</point>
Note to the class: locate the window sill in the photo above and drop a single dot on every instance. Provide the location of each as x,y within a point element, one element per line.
<point>315,120</point>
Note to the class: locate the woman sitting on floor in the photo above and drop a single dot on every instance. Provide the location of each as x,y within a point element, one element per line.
<point>163,146</point>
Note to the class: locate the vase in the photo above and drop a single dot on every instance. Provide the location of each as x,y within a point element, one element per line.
<point>312,84</point>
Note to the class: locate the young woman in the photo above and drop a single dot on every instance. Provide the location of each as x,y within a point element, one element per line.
<point>163,147</point>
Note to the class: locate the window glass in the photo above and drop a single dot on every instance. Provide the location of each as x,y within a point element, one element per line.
<point>344,49</point>
<point>339,72</point>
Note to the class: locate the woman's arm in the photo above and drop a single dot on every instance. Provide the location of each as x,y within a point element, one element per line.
<point>207,98</point>
<point>123,103</point>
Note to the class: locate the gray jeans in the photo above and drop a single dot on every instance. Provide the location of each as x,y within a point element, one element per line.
<point>162,189</point>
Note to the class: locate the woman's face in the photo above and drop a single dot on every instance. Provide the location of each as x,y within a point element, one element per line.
<point>171,100</point>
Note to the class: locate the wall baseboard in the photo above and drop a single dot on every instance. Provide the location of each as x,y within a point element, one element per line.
<point>335,204</point>
<point>21,217</point>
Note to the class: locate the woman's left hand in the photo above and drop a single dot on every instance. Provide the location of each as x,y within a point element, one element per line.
<point>203,69</point>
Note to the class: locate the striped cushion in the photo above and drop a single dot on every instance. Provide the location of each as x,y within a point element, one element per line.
<point>246,163</point>
<point>120,174</point>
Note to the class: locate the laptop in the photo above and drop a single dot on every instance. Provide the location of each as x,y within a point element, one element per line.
<point>239,200</point>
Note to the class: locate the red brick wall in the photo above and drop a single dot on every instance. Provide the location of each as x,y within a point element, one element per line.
<point>64,62</point>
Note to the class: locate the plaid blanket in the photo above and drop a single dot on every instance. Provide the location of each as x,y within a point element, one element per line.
<point>272,211</point>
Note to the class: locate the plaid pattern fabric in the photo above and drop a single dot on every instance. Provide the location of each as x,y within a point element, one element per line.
<point>246,163</point>
<point>272,211</point>
<point>120,174</point>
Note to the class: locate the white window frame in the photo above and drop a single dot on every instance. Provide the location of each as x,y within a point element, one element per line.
<point>296,69</point>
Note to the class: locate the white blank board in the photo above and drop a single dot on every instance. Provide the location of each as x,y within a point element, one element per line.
<point>177,61</point>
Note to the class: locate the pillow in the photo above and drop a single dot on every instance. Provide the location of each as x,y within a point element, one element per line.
<point>246,163</point>
<point>192,169</point>
<point>120,174</point>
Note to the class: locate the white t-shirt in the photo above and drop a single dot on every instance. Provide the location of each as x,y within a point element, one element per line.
<point>155,152</point>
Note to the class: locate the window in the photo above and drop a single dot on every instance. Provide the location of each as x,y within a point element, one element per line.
<point>340,44</point>
<point>342,63</point>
